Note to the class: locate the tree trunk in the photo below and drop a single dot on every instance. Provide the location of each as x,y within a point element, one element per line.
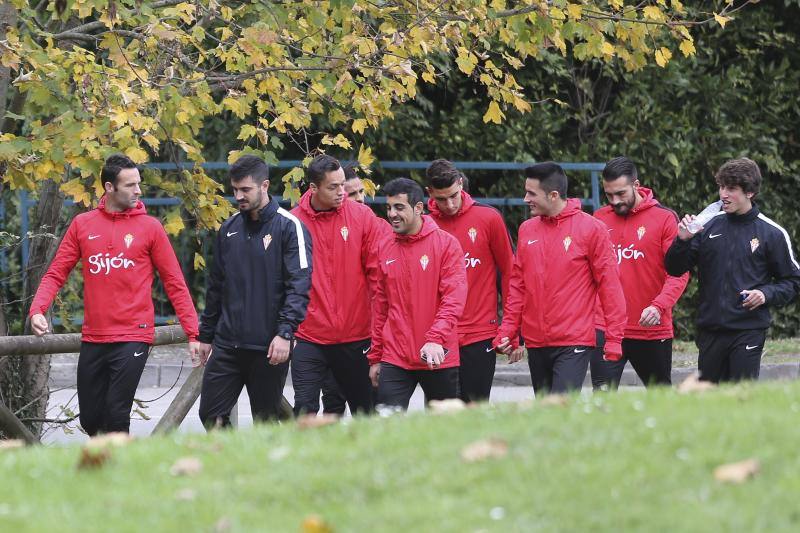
<point>23,380</point>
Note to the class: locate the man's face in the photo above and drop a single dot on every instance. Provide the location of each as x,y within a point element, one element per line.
<point>540,202</point>
<point>621,194</point>
<point>125,194</point>
<point>329,194</point>
<point>354,190</point>
<point>734,199</point>
<point>404,217</point>
<point>448,200</point>
<point>249,195</point>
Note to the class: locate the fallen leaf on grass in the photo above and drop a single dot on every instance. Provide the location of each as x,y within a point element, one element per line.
<point>558,400</point>
<point>186,466</point>
<point>93,457</point>
<point>737,472</point>
<point>484,449</point>
<point>185,495</point>
<point>223,525</point>
<point>693,384</point>
<point>314,421</point>
<point>451,405</point>
<point>11,444</point>
<point>315,524</point>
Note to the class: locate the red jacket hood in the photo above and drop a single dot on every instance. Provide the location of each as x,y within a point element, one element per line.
<point>139,209</point>
<point>466,203</point>
<point>428,227</point>
<point>647,200</point>
<point>305,205</point>
<point>572,208</point>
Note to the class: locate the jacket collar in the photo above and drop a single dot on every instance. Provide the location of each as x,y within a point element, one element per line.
<point>466,203</point>
<point>572,208</point>
<point>428,227</point>
<point>139,209</point>
<point>308,209</point>
<point>747,217</point>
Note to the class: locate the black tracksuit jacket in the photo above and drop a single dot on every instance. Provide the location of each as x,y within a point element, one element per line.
<point>259,283</point>
<point>734,253</point>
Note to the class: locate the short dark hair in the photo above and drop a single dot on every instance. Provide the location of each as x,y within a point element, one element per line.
<point>404,186</point>
<point>618,167</point>
<point>113,166</point>
<point>350,172</point>
<point>442,174</point>
<point>550,175</point>
<point>742,172</point>
<point>319,166</point>
<point>249,165</point>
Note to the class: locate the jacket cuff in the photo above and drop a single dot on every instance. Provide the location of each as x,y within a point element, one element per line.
<point>438,339</point>
<point>285,329</point>
<point>205,338</point>
<point>612,347</point>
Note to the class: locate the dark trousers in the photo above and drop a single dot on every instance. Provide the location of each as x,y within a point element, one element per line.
<point>333,401</point>
<point>108,375</point>
<point>558,369</point>
<point>227,371</point>
<point>396,385</point>
<point>311,364</point>
<point>650,359</point>
<point>730,355</point>
<point>476,372</point>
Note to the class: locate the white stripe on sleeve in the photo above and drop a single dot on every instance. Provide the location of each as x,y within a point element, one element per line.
<point>785,236</point>
<point>301,238</point>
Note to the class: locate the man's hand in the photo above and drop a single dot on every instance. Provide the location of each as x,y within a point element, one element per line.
<point>516,355</point>
<point>751,299</point>
<point>278,351</point>
<point>504,347</point>
<point>613,357</point>
<point>375,374</point>
<point>432,353</point>
<point>683,228</point>
<point>199,352</point>
<point>651,316</point>
<point>39,324</point>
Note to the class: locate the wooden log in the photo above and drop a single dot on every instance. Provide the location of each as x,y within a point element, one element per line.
<point>184,400</point>
<point>13,426</point>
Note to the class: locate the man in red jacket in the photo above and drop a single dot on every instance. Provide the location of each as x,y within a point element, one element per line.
<point>419,299</point>
<point>641,232</point>
<point>563,263</point>
<point>483,237</point>
<point>335,336</point>
<point>119,246</point>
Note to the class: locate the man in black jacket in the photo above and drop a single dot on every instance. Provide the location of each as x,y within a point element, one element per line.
<point>745,265</point>
<point>256,297</point>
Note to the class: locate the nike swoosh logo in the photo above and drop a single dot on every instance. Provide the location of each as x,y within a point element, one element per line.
<point>533,241</point>
<point>390,261</point>
<point>137,354</point>
<point>580,351</point>
<point>232,233</point>
<point>93,237</point>
<point>365,351</point>
<point>748,347</point>
<point>489,349</point>
<point>712,236</point>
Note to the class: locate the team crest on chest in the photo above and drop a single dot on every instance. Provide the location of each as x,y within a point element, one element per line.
<point>424,262</point>
<point>473,234</point>
<point>754,245</point>
<point>267,240</point>
<point>345,232</point>
<point>128,240</point>
<point>640,232</point>
<point>567,243</point>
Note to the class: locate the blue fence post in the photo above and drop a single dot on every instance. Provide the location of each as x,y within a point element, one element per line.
<point>24,224</point>
<point>595,190</point>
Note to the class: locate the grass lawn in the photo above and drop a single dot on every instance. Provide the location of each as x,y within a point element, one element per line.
<point>684,353</point>
<point>633,461</point>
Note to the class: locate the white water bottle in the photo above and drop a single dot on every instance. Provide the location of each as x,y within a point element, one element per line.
<point>704,216</point>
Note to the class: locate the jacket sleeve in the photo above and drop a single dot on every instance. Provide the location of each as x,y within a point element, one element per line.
<point>169,270</point>
<point>784,269</point>
<point>373,235</point>
<point>380,310</point>
<point>452,294</point>
<point>681,256</point>
<point>503,253</point>
<point>513,303</point>
<point>67,255</point>
<point>609,289</point>
<point>673,285</point>
<point>214,290</point>
<point>296,275</point>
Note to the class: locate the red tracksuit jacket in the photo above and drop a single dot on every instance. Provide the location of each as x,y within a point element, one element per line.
<point>118,252</point>
<point>345,270</point>
<point>563,263</point>
<point>483,237</point>
<point>640,241</point>
<point>419,298</point>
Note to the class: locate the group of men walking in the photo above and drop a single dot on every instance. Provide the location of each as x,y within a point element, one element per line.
<point>363,310</point>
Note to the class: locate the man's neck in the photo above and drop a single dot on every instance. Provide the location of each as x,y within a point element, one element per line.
<point>559,207</point>
<point>417,227</point>
<point>256,213</point>
<point>638,198</point>
<point>315,205</point>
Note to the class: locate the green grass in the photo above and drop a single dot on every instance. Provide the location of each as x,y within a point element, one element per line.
<point>633,461</point>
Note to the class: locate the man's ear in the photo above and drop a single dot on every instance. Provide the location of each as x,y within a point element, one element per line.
<point>108,187</point>
<point>419,208</point>
<point>265,186</point>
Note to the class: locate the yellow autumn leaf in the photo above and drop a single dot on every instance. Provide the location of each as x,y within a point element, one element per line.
<point>365,158</point>
<point>493,114</point>
<point>359,125</point>
<point>137,154</point>
<point>687,47</point>
<point>653,13</point>
<point>575,11</point>
<point>663,55</point>
<point>174,223</point>
<point>721,19</point>
<point>608,48</point>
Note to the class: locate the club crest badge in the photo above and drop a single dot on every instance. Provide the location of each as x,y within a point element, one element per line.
<point>267,241</point>
<point>640,232</point>
<point>754,245</point>
<point>128,240</point>
<point>473,234</point>
<point>424,262</point>
<point>567,243</point>
<point>345,232</point>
